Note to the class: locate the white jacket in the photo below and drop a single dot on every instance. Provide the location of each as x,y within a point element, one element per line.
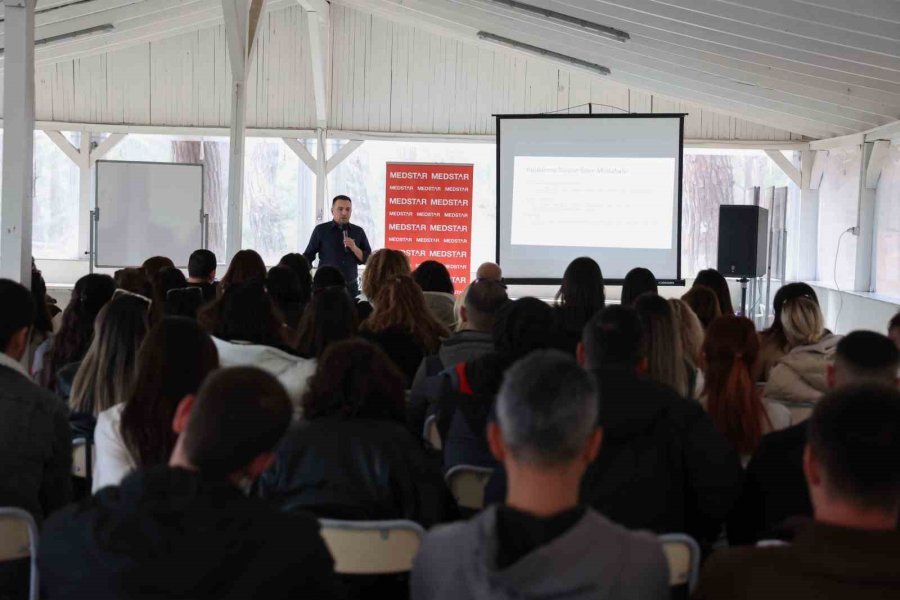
<point>113,461</point>
<point>292,371</point>
<point>801,374</point>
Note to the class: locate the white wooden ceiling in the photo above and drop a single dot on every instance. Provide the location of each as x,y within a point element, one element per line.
<point>819,68</point>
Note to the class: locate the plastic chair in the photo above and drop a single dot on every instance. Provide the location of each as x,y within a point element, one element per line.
<point>372,547</point>
<point>467,485</point>
<point>431,433</point>
<point>18,540</point>
<point>683,555</point>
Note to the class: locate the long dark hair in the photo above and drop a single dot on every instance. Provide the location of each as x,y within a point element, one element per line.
<point>246,265</point>
<point>330,317</point>
<point>245,312</point>
<point>173,361</point>
<point>433,276</point>
<point>355,378</point>
<point>299,265</point>
<point>713,280</point>
<point>91,292</point>
<point>637,281</point>
<point>42,321</point>
<point>401,303</point>
<point>581,294</point>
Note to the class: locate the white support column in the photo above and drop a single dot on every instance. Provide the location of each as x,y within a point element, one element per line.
<point>321,174</point>
<point>864,277</point>
<point>317,24</point>
<point>809,216</point>
<point>18,141</point>
<point>85,187</point>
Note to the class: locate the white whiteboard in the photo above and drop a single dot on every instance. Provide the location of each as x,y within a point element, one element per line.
<point>147,209</point>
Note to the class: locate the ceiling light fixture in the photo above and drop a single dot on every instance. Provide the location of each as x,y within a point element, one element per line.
<point>584,64</point>
<point>609,32</point>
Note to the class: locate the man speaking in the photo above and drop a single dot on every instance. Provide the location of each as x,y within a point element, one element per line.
<point>340,244</point>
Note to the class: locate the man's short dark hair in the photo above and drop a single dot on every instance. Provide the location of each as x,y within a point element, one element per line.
<point>868,355</point>
<point>483,301</point>
<point>18,310</point>
<point>854,433</point>
<point>614,338</point>
<point>340,197</point>
<point>547,408</point>
<point>239,413</point>
<point>201,263</point>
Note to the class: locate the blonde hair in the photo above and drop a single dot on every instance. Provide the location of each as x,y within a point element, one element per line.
<point>690,329</point>
<point>802,321</point>
<point>382,266</point>
<point>662,343</point>
<point>401,303</point>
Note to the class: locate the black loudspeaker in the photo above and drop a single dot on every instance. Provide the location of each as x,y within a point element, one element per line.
<point>743,240</point>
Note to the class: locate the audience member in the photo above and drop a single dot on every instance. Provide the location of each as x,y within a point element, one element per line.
<point>183,528</point>
<point>691,333</point>
<point>483,301</point>
<point>852,468</point>
<point>772,341</point>
<point>712,279</point>
<point>298,264</point>
<point>42,328</point>
<point>384,265</point>
<point>800,374</point>
<point>184,302</point>
<point>542,542</point>
<point>664,467</point>
<point>351,457</point>
<point>202,266</point>
<point>402,325</point>
<point>637,282</point>
<point>468,390</point>
<point>71,343</point>
<point>327,277</point>
<point>132,280</point>
<point>105,376</point>
<point>705,304</point>
<point>35,447</point>
<point>665,357</point>
<point>894,329</point>
<point>283,286</point>
<point>166,280</point>
<point>437,286</point>
<point>247,331</point>
<point>330,317</point>
<point>154,265</point>
<point>173,361</point>
<point>774,488</point>
<point>489,272</point>
<point>246,266</point>
<point>735,404</point>
<point>579,298</point>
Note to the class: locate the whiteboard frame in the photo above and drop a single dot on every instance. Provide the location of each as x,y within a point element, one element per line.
<point>96,215</point>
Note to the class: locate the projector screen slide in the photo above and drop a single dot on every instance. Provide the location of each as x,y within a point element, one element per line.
<point>604,186</point>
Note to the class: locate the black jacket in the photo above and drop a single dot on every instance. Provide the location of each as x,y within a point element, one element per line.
<point>401,347</point>
<point>662,465</point>
<point>357,469</point>
<point>35,446</point>
<point>774,487</point>
<point>168,533</point>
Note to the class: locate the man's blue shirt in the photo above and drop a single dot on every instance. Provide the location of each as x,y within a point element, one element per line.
<point>327,241</point>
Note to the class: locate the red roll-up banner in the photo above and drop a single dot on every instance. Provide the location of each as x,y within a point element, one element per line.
<point>428,215</point>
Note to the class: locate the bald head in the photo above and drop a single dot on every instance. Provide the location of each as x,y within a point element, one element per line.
<point>489,272</point>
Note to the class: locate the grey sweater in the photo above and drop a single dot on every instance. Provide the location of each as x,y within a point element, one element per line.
<point>595,559</point>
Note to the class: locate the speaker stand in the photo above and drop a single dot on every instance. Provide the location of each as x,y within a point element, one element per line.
<point>744,281</point>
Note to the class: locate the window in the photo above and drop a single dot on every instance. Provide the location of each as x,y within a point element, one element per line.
<point>715,177</point>
<point>362,177</point>
<point>838,205</point>
<point>887,222</point>
<point>212,153</point>
<point>55,210</point>
<point>279,199</point>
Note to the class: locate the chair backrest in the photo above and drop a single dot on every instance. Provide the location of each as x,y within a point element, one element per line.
<point>372,547</point>
<point>683,555</point>
<point>83,453</point>
<point>19,539</point>
<point>431,434</point>
<point>467,485</point>
<point>800,411</point>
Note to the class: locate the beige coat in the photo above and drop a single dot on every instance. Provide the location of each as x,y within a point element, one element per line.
<point>801,374</point>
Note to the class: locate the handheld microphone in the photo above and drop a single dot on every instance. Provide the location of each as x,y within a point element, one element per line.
<point>346,235</point>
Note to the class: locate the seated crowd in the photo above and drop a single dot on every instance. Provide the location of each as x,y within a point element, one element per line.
<point>227,416</point>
